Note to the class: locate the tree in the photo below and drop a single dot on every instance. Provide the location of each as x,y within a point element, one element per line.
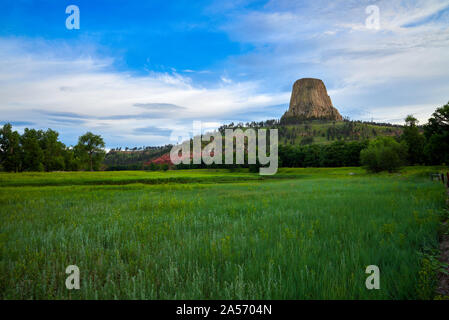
<point>91,147</point>
<point>153,166</point>
<point>53,151</point>
<point>32,155</point>
<point>384,154</point>
<point>439,122</point>
<point>411,121</point>
<point>312,156</point>
<point>71,163</point>
<point>437,134</point>
<point>10,151</point>
<point>307,140</point>
<point>352,152</point>
<point>414,140</point>
<point>333,155</point>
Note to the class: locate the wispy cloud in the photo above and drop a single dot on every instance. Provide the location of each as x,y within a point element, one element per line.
<point>159,106</point>
<point>17,123</point>
<point>399,68</point>
<point>154,131</point>
<point>49,90</point>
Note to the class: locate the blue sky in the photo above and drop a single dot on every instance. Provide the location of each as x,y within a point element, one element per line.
<point>137,70</point>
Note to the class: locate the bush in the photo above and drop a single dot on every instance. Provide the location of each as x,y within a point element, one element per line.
<point>254,168</point>
<point>384,154</point>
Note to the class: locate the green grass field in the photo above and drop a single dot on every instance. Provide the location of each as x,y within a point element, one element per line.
<point>214,234</point>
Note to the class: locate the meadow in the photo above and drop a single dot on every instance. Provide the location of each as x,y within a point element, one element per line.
<point>215,234</point>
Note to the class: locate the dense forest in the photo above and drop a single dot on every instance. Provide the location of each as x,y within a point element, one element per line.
<point>133,158</point>
<point>38,150</point>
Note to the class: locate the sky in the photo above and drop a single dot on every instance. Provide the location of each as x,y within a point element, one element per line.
<point>136,71</point>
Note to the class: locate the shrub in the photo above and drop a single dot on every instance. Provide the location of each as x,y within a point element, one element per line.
<point>384,154</point>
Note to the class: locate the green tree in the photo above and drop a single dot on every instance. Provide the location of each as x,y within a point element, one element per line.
<point>384,154</point>
<point>333,155</point>
<point>32,155</point>
<point>437,134</point>
<point>307,140</point>
<point>53,151</point>
<point>71,163</point>
<point>153,166</point>
<point>312,156</point>
<point>352,152</point>
<point>10,150</point>
<point>414,140</point>
<point>90,147</point>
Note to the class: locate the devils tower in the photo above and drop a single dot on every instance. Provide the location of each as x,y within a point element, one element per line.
<point>310,101</point>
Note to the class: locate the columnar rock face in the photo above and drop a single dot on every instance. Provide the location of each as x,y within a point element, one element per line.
<point>310,100</point>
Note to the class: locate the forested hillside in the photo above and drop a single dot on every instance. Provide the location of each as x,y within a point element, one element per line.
<point>132,159</point>
<point>322,131</point>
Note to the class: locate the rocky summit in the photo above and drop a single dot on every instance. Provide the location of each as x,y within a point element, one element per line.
<point>310,101</point>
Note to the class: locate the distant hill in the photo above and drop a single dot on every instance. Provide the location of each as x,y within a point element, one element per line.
<point>324,132</point>
<point>133,159</point>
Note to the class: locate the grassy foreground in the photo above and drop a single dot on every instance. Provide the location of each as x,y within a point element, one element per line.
<point>309,235</point>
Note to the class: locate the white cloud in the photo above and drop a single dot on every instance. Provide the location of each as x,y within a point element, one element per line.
<point>226,80</point>
<point>404,63</point>
<point>41,87</point>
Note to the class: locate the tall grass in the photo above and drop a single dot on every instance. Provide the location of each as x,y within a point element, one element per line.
<point>305,238</point>
<point>122,177</point>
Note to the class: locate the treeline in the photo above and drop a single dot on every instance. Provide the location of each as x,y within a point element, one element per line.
<point>412,147</point>
<point>294,120</point>
<point>432,147</point>
<point>272,123</point>
<point>356,130</point>
<point>308,132</point>
<point>136,149</point>
<point>336,154</point>
<point>38,150</point>
<point>133,158</point>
